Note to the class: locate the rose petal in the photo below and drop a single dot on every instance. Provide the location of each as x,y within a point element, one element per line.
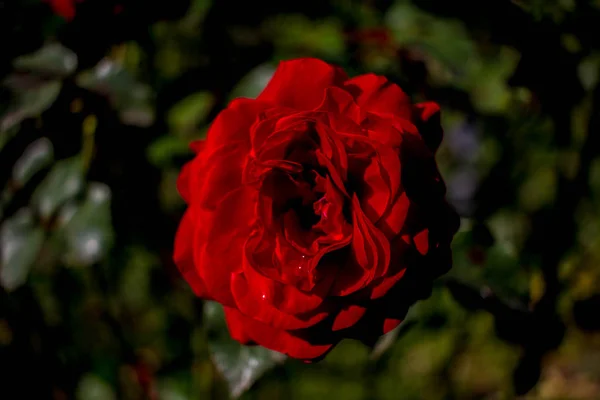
<point>395,217</point>
<point>374,93</point>
<point>184,253</point>
<point>301,83</point>
<point>428,120</point>
<point>348,316</point>
<point>255,304</point>
<point>219,242</point>
<point>236,326</point>
<point>389,324</point>
<point>224,154</point>
<point>370,255</point>
<point>339,101</point>
<point>244,327</point>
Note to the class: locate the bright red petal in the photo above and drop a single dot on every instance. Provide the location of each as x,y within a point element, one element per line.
<point>184,253</point>
<point>242,327</point>
<point>301,83</point>
<point>376,94</point>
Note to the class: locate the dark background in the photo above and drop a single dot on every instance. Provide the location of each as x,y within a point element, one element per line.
<point>96,114</point>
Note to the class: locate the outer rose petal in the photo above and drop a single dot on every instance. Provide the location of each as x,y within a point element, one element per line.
<point>301,83</point>
<point>242,327</point>
<point>184,253</point>
<point>224,152</point>
<point>348,316</point>
<point>376,94</point>
<point>219,242</point>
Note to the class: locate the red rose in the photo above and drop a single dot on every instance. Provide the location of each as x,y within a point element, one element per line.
<point>63,8</point>
<point>316,212</point>
<point>68,8</point>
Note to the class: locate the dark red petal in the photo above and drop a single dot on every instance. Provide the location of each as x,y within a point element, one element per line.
<point>428,121</point>
<point>184,253</point>
<point>376,94</point>
<point>348,316</point>
<point>301,83</point>
<point>370,256</point>
<point>236,327</point>
<point>279,340</point>
<point>395,217</point>
<point>421,241</point>
<point>339,101</point>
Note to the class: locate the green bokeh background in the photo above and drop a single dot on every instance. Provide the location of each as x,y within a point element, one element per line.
<point>95,119</point>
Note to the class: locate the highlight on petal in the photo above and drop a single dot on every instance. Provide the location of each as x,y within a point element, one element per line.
<point>300,84</point>
<point>255,304</point>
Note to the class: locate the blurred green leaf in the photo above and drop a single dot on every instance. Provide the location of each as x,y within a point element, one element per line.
<point>187,114</point>
<point>389,339</point>
<point>20,242</point>
<point>88,232</point>
<point>36,156</point>
<point>588,71</point>
<point>7,135</point>
<point>254,82</point>
<point>131,98</point>
<point>240,365</point>
<point>163,149</point>
<point>91,387</point>
<point>53,59</point>
<point>64,182</point>
<point>298,34</point>
<point>32,97</point>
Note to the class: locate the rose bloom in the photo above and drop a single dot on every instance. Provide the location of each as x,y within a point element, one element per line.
<point>67,9</point>
<point>316,212</point>
<point>63,8</point>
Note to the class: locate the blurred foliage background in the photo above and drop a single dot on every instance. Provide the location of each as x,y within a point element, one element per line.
<point>96,113</point>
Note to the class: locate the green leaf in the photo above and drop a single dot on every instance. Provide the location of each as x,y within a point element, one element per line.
<point>240,365</point>
<point>300,34</point>
<point>36,156</point>
<point>20,242</point>
<point>131,98</point>
<point>64,182</point>
<point>187,114</point>
<point>163,149</point>
<point>6,136</point>
<point>32,97</point>
<point>254,82</point>
<point>53,59</point>
<point>88,229</point>
<point>92,387</point>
